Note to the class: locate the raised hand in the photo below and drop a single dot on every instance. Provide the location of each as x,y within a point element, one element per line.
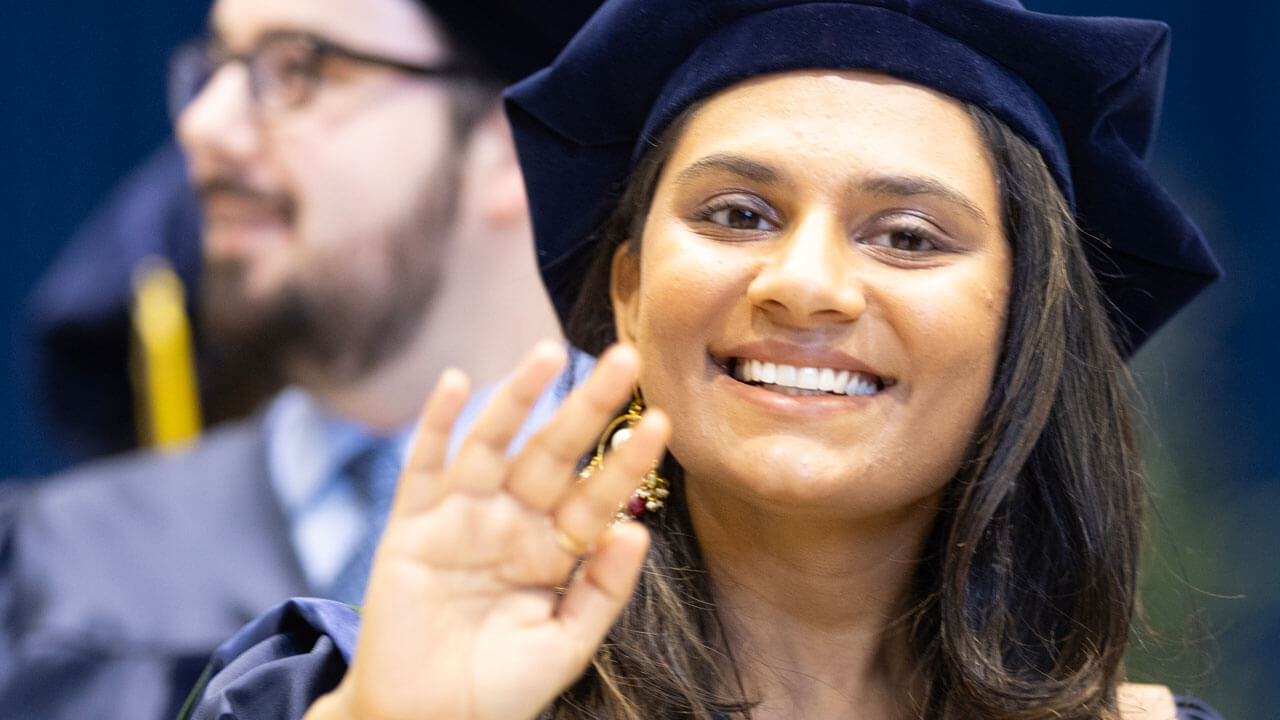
<point>463,618</point>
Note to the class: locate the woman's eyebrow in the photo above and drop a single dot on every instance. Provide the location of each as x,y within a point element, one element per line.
<point>724,162</point>
<point>908,186</point>
<point>889,185</point>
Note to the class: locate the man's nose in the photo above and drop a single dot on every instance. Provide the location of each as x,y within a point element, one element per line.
<point>218,126</point>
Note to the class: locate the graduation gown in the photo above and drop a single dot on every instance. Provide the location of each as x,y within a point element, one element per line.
<point>282,662</point>
<point>118,580</point>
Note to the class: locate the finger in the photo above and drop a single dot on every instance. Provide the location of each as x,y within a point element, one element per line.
<point>546,465</point>
<point>482,460</point>
<point>435,423</point>
<point>603,586</point>
<point>589,507</point>
<point>431,439</point>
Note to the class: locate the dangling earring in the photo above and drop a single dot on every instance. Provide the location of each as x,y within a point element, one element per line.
<point>652,493</point>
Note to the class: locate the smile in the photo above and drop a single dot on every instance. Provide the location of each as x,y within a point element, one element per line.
<point>800,381</point>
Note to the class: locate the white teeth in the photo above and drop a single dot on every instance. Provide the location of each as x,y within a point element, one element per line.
<point>786,375</point>
<point>807,378</point>
<point>858,386</point>
<point>827,380</point>
<point>793,380</point>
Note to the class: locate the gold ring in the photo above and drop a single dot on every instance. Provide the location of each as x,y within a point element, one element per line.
<point>569,544</point>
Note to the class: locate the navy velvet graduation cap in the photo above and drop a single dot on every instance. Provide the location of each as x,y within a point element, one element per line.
<point>1085,91</point>
<point>512,38</point>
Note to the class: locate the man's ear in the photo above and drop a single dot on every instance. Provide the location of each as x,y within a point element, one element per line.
<point>493,155</point>
<point>624,291</point>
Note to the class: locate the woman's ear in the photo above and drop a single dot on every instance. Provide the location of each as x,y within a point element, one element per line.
<point>624,291</point>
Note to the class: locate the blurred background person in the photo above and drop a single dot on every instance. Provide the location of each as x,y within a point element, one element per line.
<point>363,228</point>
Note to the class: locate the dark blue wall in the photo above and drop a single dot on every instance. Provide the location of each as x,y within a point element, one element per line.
<point>81,100</point>
<point>1210,382</point>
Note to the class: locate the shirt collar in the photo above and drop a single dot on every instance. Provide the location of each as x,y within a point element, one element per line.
<point>306,444</point>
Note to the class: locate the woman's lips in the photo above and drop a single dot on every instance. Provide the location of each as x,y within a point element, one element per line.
<point>799,370</point>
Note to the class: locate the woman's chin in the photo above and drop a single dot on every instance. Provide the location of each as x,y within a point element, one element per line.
<point>797,480</point>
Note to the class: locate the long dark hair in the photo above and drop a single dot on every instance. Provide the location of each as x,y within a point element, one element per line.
<point>1021,604</point>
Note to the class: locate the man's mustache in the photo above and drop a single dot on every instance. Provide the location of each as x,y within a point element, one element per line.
<point>279,203</point>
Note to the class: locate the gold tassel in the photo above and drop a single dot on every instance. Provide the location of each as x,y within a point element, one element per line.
<point>166,392</point>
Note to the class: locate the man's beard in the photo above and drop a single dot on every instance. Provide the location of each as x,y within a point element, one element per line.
<point>329,324</point>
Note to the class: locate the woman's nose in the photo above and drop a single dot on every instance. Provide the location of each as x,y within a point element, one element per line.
<point>811,277</point>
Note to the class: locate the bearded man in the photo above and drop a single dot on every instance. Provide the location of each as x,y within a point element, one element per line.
<point>363,229</point>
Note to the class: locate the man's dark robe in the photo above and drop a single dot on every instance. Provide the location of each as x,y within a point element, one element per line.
<point>118,580</point>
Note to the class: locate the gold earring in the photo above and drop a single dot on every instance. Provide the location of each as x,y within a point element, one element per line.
<point>653,490</point>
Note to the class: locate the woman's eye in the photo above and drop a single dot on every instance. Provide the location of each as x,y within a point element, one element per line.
<point>738,218</point>
<point>906,240</point>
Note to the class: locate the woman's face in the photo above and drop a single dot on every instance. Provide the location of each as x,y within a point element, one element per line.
<point>820,294</point>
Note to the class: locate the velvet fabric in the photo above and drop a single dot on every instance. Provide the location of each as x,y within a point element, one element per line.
<point>1085,91</point>
<point>278,665</point>
<point>511,38</point>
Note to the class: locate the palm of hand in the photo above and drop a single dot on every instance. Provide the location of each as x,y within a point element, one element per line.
<point>465,617</point>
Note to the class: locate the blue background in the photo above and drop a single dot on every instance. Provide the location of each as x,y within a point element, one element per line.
<point>82,100</point>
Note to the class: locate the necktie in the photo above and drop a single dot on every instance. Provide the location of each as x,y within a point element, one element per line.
<point>371,473</point>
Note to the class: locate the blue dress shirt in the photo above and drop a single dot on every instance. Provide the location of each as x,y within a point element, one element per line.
<point>307,446</point>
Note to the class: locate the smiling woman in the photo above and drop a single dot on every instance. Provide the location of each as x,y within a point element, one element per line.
<point>838,270</point>
<point>875,269</point>
<point>902,267</point>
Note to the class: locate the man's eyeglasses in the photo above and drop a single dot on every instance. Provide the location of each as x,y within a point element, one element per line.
<point>285,68</point>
